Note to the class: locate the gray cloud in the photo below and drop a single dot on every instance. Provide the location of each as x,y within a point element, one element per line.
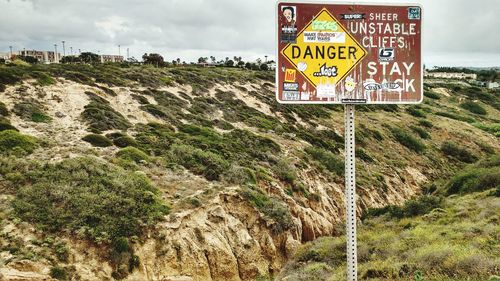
<point>192,28</point>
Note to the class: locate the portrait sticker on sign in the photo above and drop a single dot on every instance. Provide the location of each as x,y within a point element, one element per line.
<point>349,53</point>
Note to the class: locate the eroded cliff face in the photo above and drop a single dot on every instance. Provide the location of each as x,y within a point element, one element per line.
<point>223,238</point>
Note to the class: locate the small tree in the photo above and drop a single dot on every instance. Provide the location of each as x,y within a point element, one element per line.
<point>248,65</point>
<point>89,57</point>
<point>264,67</point>
<point>2,60</point>
<point>241,63</point>
<point>154,59</point>
<point>70,59</point>
<point>202,60</point>
<point>230,63</point>
<point>28,59</point>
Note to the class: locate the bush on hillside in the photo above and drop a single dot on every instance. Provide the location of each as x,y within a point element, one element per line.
<point>132,154</point>
<point>207,164</point>
<point>31,110</point>
<point>98,140</point>
<point>3,109</point>
<point>407,139</point>
<point>420,132</point>
<point>473,107</point>
<point>452,149</point>
<point>13,141</point>
<point>88,197</point>
<point>100,116</point>
<point>431,95</point>
<point>272,209</point>
<point>333,163</point>
<point>415,112</point>
<point>7,126</point>
<point>481,176</point>
<point>411,208</point>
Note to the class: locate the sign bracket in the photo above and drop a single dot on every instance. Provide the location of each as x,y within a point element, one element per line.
<point>350,192</point>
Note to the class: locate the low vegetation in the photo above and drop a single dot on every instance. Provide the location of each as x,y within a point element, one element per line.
<point>407,139</point>
<point>272,208</point>
<point>85,196</point>
<point>453,150</point>
<point>425,239</point>
<point>97,140</point>
<point>100,116</point>
<point>14,142</point>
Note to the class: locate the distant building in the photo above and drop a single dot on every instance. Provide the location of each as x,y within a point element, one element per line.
<point>451,75</point>
<point>5,56</point>
<point>111,58</point>
<point>492,85</point>
<point>272,66</point>
<point>42,56</point>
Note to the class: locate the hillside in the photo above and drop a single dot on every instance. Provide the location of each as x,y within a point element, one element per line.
<point>450,235</point>
<point>185,173</point>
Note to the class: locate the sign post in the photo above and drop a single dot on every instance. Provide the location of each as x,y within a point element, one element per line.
<point>350,192</point>
<point>348,53</point>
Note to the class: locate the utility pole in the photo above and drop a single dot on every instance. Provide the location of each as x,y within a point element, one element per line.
<point>266,58</point>
<point>71,49</point>
<point>10,47</point>
<point>119,51</point>
<point>64,48</point>
<point>56,57</point>
<point>128,54</point>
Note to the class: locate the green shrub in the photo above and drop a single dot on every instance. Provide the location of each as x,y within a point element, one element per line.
<point>415,112</point>
<point>473,107</point>
<point>7,126</point>
<point>272,209</point>
<point>100,116</point>
<point>239,175</point>
<point>411,208</point>
<point>31,110</point>
<point>425,123</point>
<point>59,273</point>
<point>98,140</point>
<point>3,109</point>
<point>462,154</point>
<point>132,154</point>
<point>207,164</point>
<point>407,139</point>
<point>490,128</point>
<point>285,171</point>
<point>420,132</point>
<point>13,140</point>
<point>328,160</point>
<point>456,116</point>
<point>431,95</point>
<point>88,197</point>
<point>124,141</point>
<point>43,79</point>
<point>363,155</point>
<point>482,176</point>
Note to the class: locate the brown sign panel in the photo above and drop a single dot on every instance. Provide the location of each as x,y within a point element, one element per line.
<point>349,53</point>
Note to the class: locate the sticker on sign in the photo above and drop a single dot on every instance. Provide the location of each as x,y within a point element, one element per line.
<point>349,53</point>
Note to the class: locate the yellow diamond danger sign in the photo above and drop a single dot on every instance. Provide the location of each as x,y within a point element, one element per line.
<point>323,51</point>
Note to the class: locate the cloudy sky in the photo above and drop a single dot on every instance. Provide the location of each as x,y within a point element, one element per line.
<point>456,32</point>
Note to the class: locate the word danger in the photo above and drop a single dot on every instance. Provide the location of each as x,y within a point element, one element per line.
<point>324,37</point>
<point>324,52</point>
<point>325,71</point>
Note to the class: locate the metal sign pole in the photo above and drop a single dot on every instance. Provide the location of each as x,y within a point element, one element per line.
<point>350,193</point>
